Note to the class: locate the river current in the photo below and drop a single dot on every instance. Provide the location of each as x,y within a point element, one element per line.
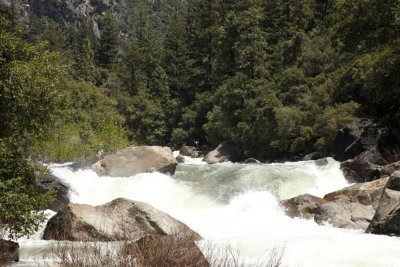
<point>237,205</point>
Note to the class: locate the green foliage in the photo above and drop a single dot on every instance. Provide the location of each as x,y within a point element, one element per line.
<point>84,60</point>
<point>107,52</point>
<point>29,97</point>
<point>21,208</point>
<point>271,79</point>
<point>88,123</point>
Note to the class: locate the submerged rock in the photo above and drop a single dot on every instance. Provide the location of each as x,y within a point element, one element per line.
<point>321,162</point>
<point>303,206</point>
<point>312,156</point>
<point>9,252</point>
<point>51,182</point>
<point>133,160</point>
<point>166,251</point>
<point>387,217</point>
<point>251,161</point>
<point>120,219</point>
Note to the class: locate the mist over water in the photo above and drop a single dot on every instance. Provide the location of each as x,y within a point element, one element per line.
<point>238,205</point>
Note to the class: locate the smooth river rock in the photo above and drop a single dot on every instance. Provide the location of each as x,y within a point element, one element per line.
<point>120,219</point>
<point>387,217</point>
<point>133,160</point>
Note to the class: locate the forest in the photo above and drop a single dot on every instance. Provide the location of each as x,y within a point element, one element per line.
<point>270,79</point>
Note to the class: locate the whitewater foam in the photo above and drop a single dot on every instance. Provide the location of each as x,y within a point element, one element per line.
<point>238,205</point>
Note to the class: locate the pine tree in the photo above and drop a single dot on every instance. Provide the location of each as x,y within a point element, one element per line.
<point>109,40</point>
<point>84,60</point>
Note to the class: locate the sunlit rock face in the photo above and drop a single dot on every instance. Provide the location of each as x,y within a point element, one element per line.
<point>134,160</point>
<point>120,219</point>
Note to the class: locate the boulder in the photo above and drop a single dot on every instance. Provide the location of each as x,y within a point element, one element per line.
<point>303,206</point>
<point>51,182</point>
<point>367,150</point>
<point>344,214</point>
<point>365,167</point>
<point>251,161</point>
<point>312,156</point>
<point>321,162</point>
<point>9,252</point>
<point>166,251</point>
<point>364,193</point>
<point>180,159</point>
<point>355,138</point>
<point>134,160</point>
<point>189,151</point>
<point>120,219</point>
<point>387,217</point>
<point>351,207</point>
<point>390,168</point>
<point>216,156</point>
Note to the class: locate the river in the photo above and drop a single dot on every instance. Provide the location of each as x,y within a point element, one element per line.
<point>238,205</point>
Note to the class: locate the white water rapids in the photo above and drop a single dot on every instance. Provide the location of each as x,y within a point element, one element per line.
<point>238,205</point>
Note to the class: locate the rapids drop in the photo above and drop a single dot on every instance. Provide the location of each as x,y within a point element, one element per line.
<point>238,205</point>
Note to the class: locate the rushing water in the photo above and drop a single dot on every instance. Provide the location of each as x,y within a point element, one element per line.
<point>238,205</point>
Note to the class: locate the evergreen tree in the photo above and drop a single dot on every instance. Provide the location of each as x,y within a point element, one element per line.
<point>84,60</point>
<point>109,40</point>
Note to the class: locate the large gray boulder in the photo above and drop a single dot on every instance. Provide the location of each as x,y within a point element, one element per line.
<point>120,219</point>
<point>9,252</point>
<point>364,193</point>
<point>351,207</point>
<point>387,217</point>
<point>344,214</point>
<point>133,160</point>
